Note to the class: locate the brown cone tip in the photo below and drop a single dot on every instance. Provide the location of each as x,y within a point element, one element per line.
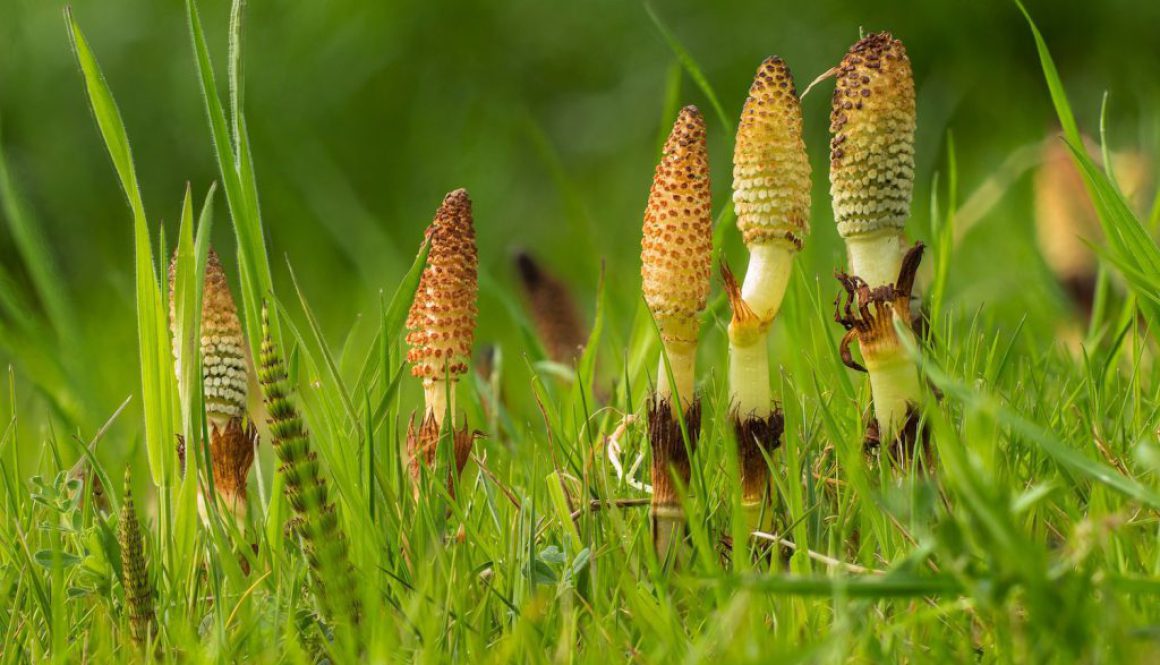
<point>441,322</point>
<point>771,173</point>
<point>872,121</point>
<point>677,243</point>
<point>553,310</point>
<point>670,458</point>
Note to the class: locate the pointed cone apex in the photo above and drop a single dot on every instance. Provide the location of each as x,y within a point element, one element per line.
<point>771,173</point>
<point>441,322</point>
<point>872,120</point>
<point>677,243</point>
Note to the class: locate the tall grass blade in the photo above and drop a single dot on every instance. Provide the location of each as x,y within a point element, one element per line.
<point>158,391</point>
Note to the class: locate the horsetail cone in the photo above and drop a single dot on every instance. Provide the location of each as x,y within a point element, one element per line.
<point>676,249</point>
<point>134,571</point>
<point>441,322</point>
<point>771,185</point>
<point>224,382</point>
<point>441,327</point>
<point>553,310</point>
<point>676,260</point>
<point>872,120</point>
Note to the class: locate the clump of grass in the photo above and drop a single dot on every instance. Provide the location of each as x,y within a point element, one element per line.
<point>872,120</point>
<point>676,262</point>
<point>771,196</point>
<point>225,380</point>
<point>325,546</point>
<point>441,327</point>
<point>135,571</point>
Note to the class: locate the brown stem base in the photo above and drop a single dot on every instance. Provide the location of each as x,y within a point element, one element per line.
<point>912,441</point>
<point>670,465</point>
<point>423,446</point>
<point>757,438</point>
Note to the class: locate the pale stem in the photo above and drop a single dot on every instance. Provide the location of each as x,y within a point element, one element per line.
<point>758,514</point>
<point>876,257</point>
<point>894,385</point>
<point>766,278</point>
<point>749,378</point>
<point>682,359</point>
<point>435,393</point>
<point>670,526</point>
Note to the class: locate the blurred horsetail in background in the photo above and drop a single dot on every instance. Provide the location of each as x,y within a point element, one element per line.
<point>632,443</point>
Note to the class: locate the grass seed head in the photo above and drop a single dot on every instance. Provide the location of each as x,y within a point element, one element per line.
<point>677,243</point>
<point>771,173</point>
<point>872,120</point>
<point>441,322</point>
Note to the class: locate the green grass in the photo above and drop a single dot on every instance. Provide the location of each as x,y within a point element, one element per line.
<point>1034,538</point>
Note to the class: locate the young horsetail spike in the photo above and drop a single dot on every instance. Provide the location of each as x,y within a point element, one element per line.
<point>771,195</point>
<point>224,367</point>
<point>324,543</point>
<point>676,249</point>
<point>676,261</point>
<point>872,119</point>
<point>134,571</point>
<point>441,325</point>
<point>871,178</point>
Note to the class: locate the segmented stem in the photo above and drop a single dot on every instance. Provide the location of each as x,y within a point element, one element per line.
<point>134,572</point>
<point>324,543</point>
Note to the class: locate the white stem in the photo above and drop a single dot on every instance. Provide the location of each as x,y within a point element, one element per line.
<point>894,385</point>
<point>682,359</point>
<point>435,393</point>
<point>766,278</point>
<point>749,378</point>
<point>758,515</point>
<point>876,257</point>
<point>670,528</point>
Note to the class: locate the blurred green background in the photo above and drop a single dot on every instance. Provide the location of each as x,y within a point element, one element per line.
<point>363,114</point>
